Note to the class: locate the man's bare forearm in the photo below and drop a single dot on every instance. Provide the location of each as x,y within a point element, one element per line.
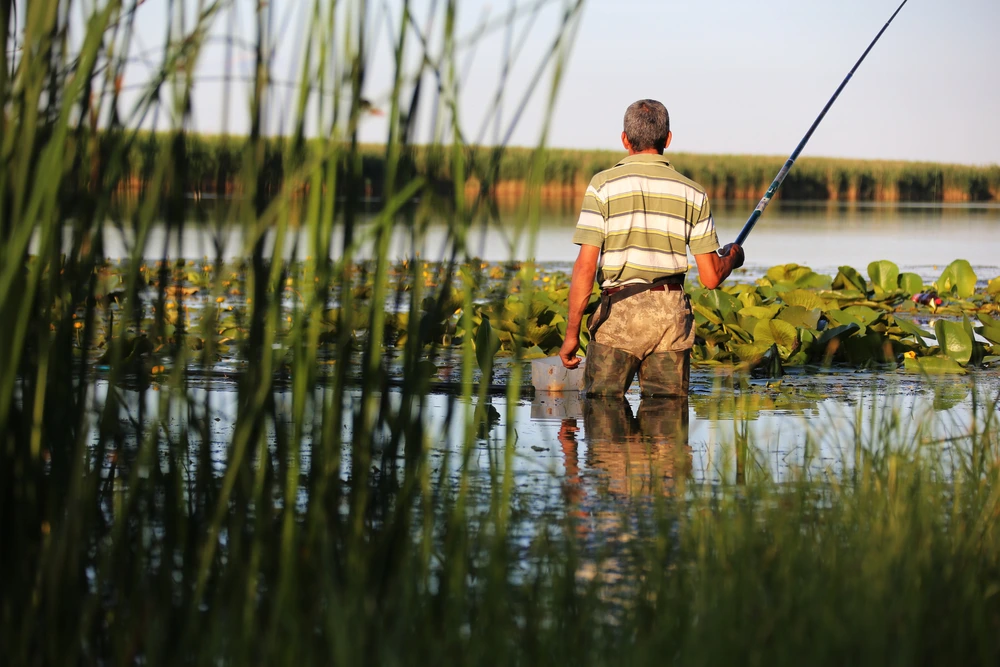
<point>581,287</point>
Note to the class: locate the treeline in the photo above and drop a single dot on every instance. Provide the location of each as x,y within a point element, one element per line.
<point>213,164</point>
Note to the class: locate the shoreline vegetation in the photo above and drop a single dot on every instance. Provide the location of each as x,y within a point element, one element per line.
<point>212,166</point>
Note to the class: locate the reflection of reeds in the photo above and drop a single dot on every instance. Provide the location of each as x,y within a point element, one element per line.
<point>138,529</point>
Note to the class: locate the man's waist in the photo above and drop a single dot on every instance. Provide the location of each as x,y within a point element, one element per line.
<point>671,283</point>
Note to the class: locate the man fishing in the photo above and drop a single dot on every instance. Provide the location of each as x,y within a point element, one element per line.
<point>638,219</point>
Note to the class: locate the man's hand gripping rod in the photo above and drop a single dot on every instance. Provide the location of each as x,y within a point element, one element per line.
<point>776,183</point>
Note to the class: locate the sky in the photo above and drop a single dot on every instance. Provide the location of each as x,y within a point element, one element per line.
<point>737,76</point>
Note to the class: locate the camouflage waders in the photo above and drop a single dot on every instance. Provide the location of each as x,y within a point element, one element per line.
<point>650,333</point>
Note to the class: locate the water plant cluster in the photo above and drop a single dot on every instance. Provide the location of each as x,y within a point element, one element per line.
<point>794,316</point>
<point>791,316</point>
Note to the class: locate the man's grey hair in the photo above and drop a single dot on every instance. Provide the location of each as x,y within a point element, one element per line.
<point>647,125</point>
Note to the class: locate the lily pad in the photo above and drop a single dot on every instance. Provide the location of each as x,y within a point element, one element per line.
<point>911,329</point>
<point>932,366</point>
<point>953,340</point>
<point>848,278</point>
<point>990,329</point>
<point>804,298</point>
<point>840,318</point>
<point>800,317</point>
<point>776,332</point>
<point>910,283</point>
<point>862,314</point>
<point>958,279</point>
<point>884,275</point>
<point>709,314</point>
<point>749,353</point>
<point>719,301</point>
<point>760,312</point>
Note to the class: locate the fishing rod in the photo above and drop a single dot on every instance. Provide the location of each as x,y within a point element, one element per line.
<point>776,183</point>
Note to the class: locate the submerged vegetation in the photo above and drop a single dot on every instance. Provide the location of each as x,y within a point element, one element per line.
<point>204,463</point>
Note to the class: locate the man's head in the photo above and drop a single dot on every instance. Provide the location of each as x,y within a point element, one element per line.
<point>647,127</point>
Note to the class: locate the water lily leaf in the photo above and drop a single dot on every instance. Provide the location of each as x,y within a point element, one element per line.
<point>990,333</point>
<point>791,276</point>
<point>718,300</point>
<point>884,275</point>
<point>760,312</point>
<point>840,318</point>
<point>910,283</point>
<point>776,332</point>
<point>708,313</point>
<point>848,278</point>
<point>978,349</point>
<point>958,279</point>
<point>805,299</point>
<point>738,332</point>
<point>862,314</point>
<point>932,366</point>
<point>749,353</point>
<point>787,273</point>
<point>800,317</point>
<point>911,329</point>
<point>534,352</point>
<point>712,334</point>
<point>750,299</point>
<point>953,340</point>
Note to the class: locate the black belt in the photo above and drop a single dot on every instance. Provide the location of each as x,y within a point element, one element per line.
<point>612,295</point>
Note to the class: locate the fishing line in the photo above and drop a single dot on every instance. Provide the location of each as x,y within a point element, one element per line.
<point>776,183</point>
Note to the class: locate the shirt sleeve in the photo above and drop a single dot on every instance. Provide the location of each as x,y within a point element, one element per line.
<point>703,237</point>
<point>592,226</point>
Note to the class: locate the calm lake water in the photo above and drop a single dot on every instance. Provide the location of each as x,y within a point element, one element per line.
<point>574,455</point>
<point>810,420</point>
<point>922,238</point>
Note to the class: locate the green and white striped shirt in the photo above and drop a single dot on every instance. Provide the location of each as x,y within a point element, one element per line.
<point>643,215</point>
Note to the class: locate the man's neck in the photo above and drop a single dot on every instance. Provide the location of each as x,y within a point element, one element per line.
<point>648,151</point>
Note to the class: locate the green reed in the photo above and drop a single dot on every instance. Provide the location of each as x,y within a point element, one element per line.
<point>318,519</point>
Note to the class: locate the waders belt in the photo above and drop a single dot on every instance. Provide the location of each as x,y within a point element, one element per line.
<point>613,295</point>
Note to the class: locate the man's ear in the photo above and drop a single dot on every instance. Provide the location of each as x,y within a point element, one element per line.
<point>670,135</point>
<point>625,143</point>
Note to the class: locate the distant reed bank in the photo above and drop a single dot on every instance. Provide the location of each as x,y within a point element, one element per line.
<point>213,164</point>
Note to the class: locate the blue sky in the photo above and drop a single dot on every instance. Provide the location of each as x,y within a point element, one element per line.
<point>738,76</point>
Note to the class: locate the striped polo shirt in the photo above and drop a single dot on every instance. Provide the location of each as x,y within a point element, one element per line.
<point>643,215</point>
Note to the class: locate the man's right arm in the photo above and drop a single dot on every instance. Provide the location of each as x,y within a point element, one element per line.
<point>713,269</point>
<point>581,286</point>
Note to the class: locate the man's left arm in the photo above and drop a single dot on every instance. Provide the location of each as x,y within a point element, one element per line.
<point>581,286</point>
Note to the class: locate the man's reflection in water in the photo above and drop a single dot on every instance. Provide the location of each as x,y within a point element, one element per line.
<point>629,455</point>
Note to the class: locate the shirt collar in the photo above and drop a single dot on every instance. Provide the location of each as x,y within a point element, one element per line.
<point>648,158</point>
